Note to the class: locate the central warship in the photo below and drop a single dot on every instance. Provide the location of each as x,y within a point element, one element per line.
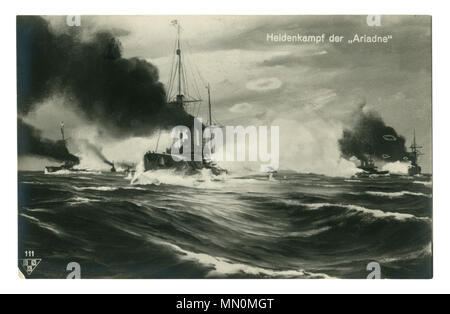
<point>178,96</point>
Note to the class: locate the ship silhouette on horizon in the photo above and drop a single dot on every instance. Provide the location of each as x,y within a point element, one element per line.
<point>68,164</point>
<point>414,168</point>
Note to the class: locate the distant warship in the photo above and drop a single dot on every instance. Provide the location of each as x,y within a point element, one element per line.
<point>154,160</point>
<point>414,168</point>
<point>369,168</point>
<point>68,164</point>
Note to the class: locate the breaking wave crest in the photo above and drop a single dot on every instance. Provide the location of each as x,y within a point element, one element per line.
<point>70,172</point>
<point>222,266</point>
<point>107,188</point>
<point>426,183</point>
<point>397,194</point>
<point>374,212</point>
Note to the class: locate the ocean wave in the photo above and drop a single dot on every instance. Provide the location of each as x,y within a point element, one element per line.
<point>108,188</point>
<point>43,225</point>
<point>396,194</point>
<point>205,179</point>
<point>309,233</point>
<point>422,252</point>
<point>32,183</point>
<point>426,183</point>
<point>131,187</point>
<point>97,188</point>
<point>374,212</point>
<point>85,178</point>
<point>66,172</point>
<point>169,177</point>
<point>223,266</point>
<point>37,210</point>
<point>80,200</point>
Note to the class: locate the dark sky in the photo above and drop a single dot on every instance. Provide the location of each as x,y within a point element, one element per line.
<point>310,90</point>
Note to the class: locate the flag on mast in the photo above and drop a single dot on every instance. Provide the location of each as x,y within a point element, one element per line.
<point>62,130</point>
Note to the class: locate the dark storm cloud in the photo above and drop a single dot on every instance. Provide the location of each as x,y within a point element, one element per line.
<point>32,143</point>
<point>370,136</point>
<point>123,96</point>
<point>96,151</point>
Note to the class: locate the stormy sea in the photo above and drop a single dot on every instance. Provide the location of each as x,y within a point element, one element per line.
<point>163,225</point>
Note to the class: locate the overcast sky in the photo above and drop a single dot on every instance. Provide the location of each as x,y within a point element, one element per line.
<point>310,90</point>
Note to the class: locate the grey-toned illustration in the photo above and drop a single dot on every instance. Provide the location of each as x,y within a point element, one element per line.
<point>224,147</point>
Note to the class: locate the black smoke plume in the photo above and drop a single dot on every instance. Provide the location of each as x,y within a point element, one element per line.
<point>32,143</point>
<point>371,137</point>
<point>96,151</point>
<point>123,96</point>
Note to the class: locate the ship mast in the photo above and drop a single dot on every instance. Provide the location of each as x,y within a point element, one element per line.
<point>62,131</point>
<point>179,83</point>
<point>209,105</point>
<point>180,96</point>
<point>414,149</point>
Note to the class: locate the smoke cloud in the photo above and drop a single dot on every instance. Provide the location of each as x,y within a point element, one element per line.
<point>123,96</point>
<point>32,143</point>
<point>96,151</point>
<point>370,136</point>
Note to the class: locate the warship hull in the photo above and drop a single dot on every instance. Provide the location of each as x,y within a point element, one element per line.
<point>370,170</point>
<point>156,161</point>
<point>414,170</point>
<point>53,169</point>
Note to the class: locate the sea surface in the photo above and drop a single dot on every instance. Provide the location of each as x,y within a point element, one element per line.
<point>165,225</point>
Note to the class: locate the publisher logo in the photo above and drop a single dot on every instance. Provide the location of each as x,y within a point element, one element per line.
<point>30,264</point>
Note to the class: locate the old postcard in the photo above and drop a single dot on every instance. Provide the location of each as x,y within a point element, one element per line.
<point>224,147</point>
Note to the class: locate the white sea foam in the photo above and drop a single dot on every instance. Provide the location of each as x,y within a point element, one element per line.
<point>59,172</point>
<point>29,217</point>
<point>292,202</point>
<point>374,212</point>
<point>96,188</point>
<point>309,233</point>
<point>224,266</point>
<point>85,178</point>
<point>131,187</point>
<point>43,225</point>
<point>67,172</point>
<point>426,183</point>
<point>205,179</point>
<point>396,194</point>
<point>397,167</point>
<point>37,210</point>
<point>80,200</point>
<point>107,188</point>
<point>32,183</point>
<point>425,251</point>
